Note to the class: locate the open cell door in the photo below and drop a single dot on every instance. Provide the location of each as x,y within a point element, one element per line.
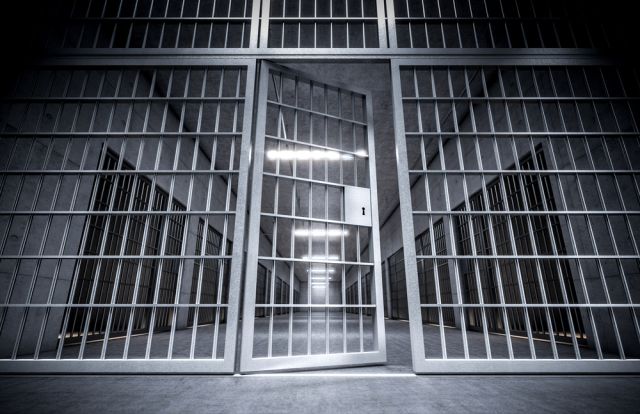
<point>313,289</point>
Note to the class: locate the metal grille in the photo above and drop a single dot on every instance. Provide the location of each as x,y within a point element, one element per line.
<point>117,189</point>
<point>531,287</point>
<point>324,24</point>
<point>531,175</point>
<point>91,323</point>
<point>398,287</point>
<point>428,274</point>
<point>498,24</point>
<point>207,285</point>
<point>150,24</point>
<point>312,140</point>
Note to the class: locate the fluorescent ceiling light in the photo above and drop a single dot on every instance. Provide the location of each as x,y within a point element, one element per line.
<point>321,257</point>
<point>320,232</point>
<point>320,278</point>
<point>304,155</point>
<point>321,270</point>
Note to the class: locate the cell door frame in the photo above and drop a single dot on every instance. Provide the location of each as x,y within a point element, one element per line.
<point>249,363</point>
<point>226,364</point>
<point>422,364</point>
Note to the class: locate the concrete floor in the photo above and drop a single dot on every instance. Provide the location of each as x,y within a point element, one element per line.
<point>388,388</point>
<point>327,394</point>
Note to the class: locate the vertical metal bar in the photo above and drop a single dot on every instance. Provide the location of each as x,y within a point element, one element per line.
<point>309,246</point>
<point>457,18</point>
<point>391,24</point>
<point>147,25</point>
<point>315,23</point>
<point>133,23</point>
<point>473,25</point>
<point>205,222</point>
<point>376,277</point>
<point>504,23</point>
<point>444,38</point>
<point>223,249</point>
<point>331,23</point>
<point>102,16</point>
<point>294,196</point>
<point>254,216</point>
<point>406,2</point>
<point>115,26</point>
<point>239,228</point>
<point>164,23</point>
<point>264,22</point>
<point>326,217</point>
<point>359,287</point>
<point>406,216</point>
<point>486,12</point>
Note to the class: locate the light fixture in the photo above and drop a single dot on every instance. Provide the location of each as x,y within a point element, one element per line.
<point>320,232</point>
<point>321,278</point>
<point>362,153</point>
<point>304,155</point>
<point>320,270</point>
<point>320,257</point>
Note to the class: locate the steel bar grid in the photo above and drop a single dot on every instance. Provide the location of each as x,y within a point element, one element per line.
<point>496,24</point>
<point>109,249</point>
<point>539,246</point>
<point>323,24</point>
<point>156,24</point>
<point>392,25</point>
<point>311,299</point>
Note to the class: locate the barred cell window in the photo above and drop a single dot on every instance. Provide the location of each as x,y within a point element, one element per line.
<point>526,193</point>
<point>210,276</point>
<point>262,286</point>
<point>433,275</point>
<point>98,275</point>
<point>399,307</point>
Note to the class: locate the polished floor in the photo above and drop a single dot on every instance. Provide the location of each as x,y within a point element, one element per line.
<point>303,393</point>
<point>389,388</point>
